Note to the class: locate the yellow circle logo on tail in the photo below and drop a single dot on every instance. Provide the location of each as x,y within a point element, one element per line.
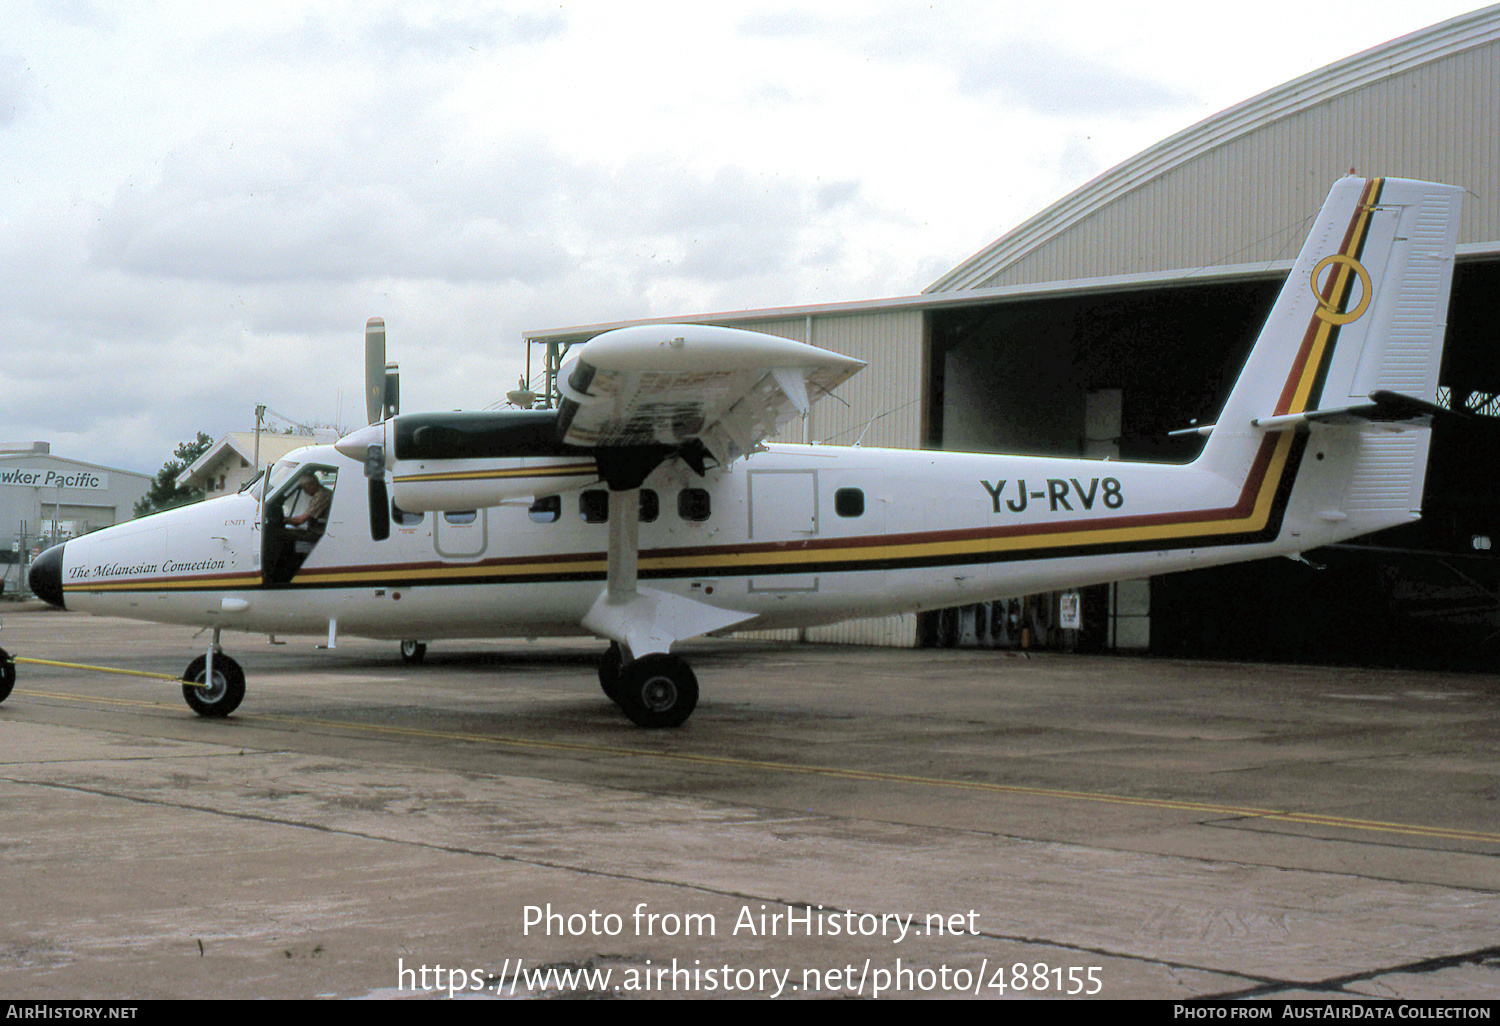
<point>1329,313</point>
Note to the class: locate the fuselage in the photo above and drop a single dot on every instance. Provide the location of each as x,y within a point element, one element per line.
<point>793,535</point>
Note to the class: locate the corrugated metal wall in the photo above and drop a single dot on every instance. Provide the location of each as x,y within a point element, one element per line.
<point>885,399</point>
<point>1243,201</point>
<point>885,409</point>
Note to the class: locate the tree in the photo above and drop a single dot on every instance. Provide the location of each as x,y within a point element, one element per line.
<point>164,493</point>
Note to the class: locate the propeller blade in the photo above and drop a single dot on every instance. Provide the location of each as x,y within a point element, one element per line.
<point>380,498</point>
<point>380,510</point>
<point>375,370</point>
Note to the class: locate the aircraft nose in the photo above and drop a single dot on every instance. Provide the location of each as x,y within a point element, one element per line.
<point>46,576</point>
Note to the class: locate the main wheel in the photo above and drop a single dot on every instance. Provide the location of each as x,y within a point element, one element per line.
<point>7,674</point>
<point>658,690</point>
<point>610,664</point>
<point>413,651</point>
<point>223,696</point>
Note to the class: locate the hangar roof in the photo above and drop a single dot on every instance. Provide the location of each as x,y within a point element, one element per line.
<point>1234,187</point>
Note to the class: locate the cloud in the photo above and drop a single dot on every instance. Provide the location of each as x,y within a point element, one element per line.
<point>1058,82</point>
<point>329,211</point>
<point>521,214</point>
<point>86,13</point>
<point>1006,62</point>
<point>14,86</point>
<point>398,33</point>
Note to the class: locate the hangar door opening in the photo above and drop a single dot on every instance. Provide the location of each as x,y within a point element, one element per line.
<point>1096,376</point>
<point>1027,376</point>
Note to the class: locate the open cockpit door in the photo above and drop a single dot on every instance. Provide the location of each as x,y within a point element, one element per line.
<point>298,499</point>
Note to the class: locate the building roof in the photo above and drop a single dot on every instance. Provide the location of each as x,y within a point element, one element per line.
<point>46,455</point>
<point>241,445</point>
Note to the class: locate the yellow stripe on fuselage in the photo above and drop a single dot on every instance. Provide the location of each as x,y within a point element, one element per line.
<point>502,474</point>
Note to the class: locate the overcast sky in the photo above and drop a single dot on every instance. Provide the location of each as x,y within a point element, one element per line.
<point>204,202</point>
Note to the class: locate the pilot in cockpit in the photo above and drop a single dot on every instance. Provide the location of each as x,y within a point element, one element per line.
<point>315,501</point>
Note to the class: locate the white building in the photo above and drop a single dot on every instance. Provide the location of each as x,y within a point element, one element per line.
<point>231,461</point>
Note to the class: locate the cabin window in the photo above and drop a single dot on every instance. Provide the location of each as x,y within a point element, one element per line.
<point>546,510</point>
<point>693,505</point>
<point>462,516</point>
<point>849,502</point>
<point>403,518</point>
<point>593,506</point>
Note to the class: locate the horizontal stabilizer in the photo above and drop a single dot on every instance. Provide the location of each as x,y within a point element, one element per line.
<point>1384,407</point>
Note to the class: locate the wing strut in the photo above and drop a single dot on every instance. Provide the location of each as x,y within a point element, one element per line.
<point>645,621</point>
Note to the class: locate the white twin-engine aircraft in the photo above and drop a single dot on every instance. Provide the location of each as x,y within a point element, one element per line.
<point>647,508</point>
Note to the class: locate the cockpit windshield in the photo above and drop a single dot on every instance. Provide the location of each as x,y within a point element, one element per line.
<point>281,472</point>
<point>253,485</point>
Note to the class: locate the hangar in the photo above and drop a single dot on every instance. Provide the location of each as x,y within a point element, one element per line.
<point>46,499</point>
<point>1123,312</point>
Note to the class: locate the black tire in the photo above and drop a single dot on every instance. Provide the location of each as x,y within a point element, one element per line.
<point>658,691</point>
<point>227,692</point>
<point>413,651</point>
<point>610,665</point>
<point>7,674</point>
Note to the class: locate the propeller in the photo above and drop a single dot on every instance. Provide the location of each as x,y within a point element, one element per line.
<point>374,370</point>
<point>380,498</point>
<point>375,410</point>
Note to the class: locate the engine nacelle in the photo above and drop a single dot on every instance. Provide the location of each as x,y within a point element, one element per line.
<point>458,461</point>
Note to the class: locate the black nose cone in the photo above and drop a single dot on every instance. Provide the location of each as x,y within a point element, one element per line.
<point>46,576</point>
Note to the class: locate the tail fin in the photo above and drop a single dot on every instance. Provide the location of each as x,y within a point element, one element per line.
<point>1363,311</point>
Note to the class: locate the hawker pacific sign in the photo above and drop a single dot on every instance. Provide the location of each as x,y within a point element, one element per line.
<point>23,477</point>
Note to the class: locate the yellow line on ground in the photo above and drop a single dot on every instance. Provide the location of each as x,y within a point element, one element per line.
<point>1280,815</point>
<point>136,703</point>
<point>832,772</point>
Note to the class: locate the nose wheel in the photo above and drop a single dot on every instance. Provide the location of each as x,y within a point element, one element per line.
<point>216,698</point>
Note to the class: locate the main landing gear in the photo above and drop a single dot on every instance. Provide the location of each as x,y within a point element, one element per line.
<point>413,651</point>
<point>654,691</point>
<point>219,697</point>
<point>7,674</point>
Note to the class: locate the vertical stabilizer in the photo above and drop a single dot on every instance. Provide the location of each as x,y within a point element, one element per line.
<point>1363,310</point>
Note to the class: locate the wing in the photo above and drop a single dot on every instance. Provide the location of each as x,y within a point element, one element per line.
<point>673,384</point>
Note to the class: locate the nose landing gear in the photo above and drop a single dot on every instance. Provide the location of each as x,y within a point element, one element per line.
<point>218,697</point>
